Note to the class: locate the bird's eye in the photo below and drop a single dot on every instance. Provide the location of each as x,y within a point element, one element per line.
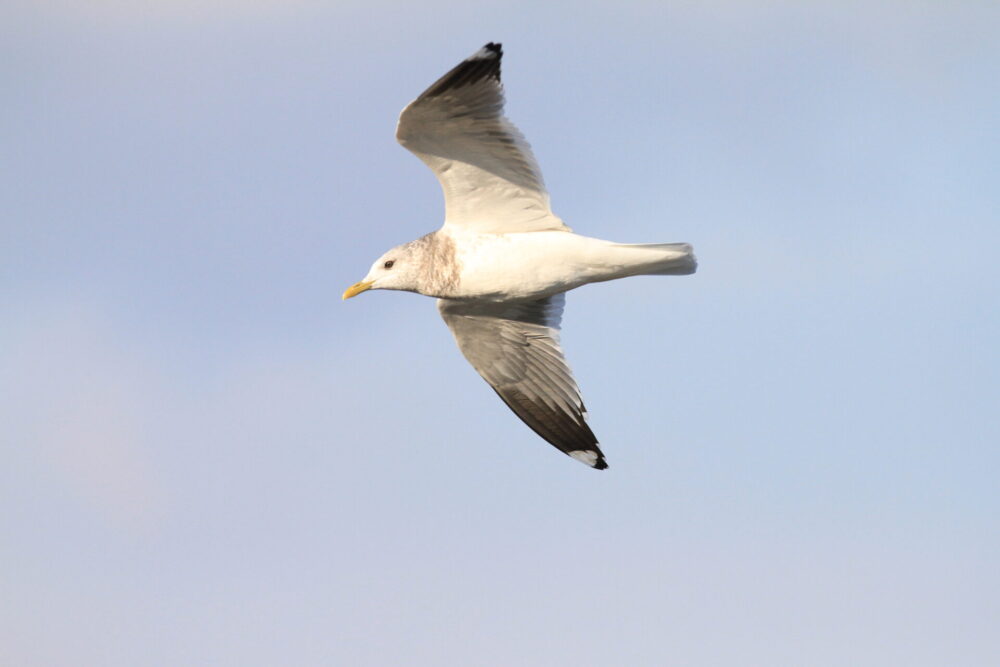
<point>388,265</point>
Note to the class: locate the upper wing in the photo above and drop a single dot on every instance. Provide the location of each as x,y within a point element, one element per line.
<point>490,179</point>
<point>515,347</point>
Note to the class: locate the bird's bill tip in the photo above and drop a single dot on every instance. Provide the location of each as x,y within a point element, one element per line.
<point>358,288</point>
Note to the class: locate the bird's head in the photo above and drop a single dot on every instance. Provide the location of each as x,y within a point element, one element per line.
<point>396,269</point>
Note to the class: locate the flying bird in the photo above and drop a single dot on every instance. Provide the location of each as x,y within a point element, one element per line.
<point>502,262</point>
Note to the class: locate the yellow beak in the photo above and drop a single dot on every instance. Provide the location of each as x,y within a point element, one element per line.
<point>358,288</point>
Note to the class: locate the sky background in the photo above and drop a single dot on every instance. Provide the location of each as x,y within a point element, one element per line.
<point>206,458</point>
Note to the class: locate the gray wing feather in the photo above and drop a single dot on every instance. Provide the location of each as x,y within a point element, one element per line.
<point>515,348</point>
<point>489,176</point>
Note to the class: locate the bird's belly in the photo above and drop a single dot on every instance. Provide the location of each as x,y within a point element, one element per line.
<point>520,266</point>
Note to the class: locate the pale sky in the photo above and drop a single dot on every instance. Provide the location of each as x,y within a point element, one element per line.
<point>206,458</point>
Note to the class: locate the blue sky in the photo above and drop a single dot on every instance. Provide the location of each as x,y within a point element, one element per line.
<point>208,458</point>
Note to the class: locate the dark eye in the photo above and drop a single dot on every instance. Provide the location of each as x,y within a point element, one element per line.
<point>388,265</point>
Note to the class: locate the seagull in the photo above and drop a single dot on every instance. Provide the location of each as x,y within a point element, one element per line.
<point>502,262</point>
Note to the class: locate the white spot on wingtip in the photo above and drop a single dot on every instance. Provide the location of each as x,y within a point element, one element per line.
<point>483,54</point>
<point>585,456</point>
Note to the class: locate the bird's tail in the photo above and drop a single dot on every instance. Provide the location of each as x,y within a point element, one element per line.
<point>664,259</point>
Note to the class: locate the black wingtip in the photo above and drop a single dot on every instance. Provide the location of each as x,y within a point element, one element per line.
<point>601,464</point>
<point>483,64</point>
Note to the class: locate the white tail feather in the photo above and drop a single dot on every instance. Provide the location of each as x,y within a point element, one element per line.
<point>664,259</point>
